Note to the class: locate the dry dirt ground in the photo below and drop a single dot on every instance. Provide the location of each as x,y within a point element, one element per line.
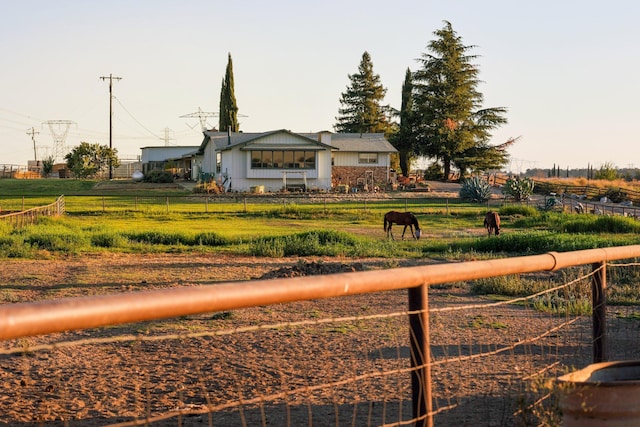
<point>122,379</point>
<point>97,384</point>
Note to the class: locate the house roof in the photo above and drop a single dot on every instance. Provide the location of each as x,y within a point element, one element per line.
<point>366,142</point>
<point>226,141</point>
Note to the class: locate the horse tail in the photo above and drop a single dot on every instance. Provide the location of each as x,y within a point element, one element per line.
<point>386,223</point>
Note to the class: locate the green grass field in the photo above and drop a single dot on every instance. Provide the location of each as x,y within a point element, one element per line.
<point>176,221</point>
<point>172,219</point>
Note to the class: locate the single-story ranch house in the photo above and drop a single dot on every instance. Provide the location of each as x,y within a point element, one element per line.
<point>281,159</point>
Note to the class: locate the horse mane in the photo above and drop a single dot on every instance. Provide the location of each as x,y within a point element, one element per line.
<point>414,220</point>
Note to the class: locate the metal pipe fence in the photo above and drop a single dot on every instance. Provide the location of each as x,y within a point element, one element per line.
<point>21,320</point>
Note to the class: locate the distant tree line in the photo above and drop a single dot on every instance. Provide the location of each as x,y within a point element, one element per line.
<point>607,171</point>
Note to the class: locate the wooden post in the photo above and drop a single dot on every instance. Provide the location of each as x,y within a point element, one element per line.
<point>420,346</point>
<point>599,301</point>
<point>167,204</point>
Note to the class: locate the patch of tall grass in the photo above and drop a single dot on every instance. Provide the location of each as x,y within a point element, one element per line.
<point>518,210</point>
<point>532,242</point>
<point>599,224</point>
<point>318,243</point>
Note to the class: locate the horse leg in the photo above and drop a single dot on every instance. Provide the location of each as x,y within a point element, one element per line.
<point>412,234</point>
<point>403,231</point>
<point>390,233</point>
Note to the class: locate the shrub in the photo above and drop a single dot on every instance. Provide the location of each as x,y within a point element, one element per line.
<point>616,195</point>
<point>518,188</point>
<point>158,176</point>
<point>475,189</point>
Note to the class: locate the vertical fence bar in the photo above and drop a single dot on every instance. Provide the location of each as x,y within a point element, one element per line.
<point>167,204</point>
<point>420,356</point>
<point>245,204</point>
<point>22,203</point>
<point>599,301</point>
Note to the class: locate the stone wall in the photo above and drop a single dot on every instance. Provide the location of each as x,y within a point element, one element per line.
<point>353,175</point>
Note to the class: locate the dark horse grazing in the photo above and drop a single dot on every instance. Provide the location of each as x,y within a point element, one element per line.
<point>492,223</point>
<point>401,218</point>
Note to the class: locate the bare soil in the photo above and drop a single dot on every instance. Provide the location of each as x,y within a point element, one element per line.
<point>122,380</point>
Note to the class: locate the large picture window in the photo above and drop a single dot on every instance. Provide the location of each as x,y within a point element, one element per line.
<point>283,159</point>
<point>367,158</point>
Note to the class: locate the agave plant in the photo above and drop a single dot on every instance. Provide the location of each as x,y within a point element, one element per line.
<point>475,189</point>
<point>518,188</point>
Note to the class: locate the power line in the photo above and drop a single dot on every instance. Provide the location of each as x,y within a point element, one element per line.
<point>137,121</point>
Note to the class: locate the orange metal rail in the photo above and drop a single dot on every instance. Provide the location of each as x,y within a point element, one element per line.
<point>30,319</point>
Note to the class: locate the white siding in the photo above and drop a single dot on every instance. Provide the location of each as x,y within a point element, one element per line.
<point>351,159</point>
<point>160,154</point>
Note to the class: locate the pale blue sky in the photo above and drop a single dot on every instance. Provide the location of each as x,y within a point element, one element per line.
<point>565,70</point>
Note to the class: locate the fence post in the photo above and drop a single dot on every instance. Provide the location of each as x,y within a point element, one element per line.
<point>167,204</point>
<point>206,204</point>
<point>420,346</point>
<point>103,208</point>
<point>405,205</point>
<point>22,203</point>
<point>599,301</point>
<point>245,204</point>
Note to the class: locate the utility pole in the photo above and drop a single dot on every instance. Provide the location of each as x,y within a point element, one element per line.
<point>111,79</point>
<point>32,132</point>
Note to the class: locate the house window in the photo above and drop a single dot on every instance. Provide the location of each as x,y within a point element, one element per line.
<point>263,159</point>
<point>367,158</point>
<point>218,162</point>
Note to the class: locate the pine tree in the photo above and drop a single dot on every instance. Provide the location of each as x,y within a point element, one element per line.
<point>449,122</point>
<point>361,110</point>
<point>228,116</point>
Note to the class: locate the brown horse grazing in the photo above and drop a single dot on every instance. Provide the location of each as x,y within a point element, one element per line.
<point>492,223</point>
<point>401,218</point>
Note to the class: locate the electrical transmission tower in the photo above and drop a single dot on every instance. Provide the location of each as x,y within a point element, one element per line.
<point>167,136</point>
<point>202,116</point>
<point>59,130</point>
<point>32,132</point>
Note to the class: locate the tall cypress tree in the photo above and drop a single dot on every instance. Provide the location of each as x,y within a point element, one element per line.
<point>403,140</point>
<point>361,110</point>
<point>450,123</point>
<point>228,115</point>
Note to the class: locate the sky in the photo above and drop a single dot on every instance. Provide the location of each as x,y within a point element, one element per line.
<point>566,71</point>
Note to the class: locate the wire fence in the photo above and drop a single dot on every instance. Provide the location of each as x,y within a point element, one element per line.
<point>308,359</point>
<point>30,216</point>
